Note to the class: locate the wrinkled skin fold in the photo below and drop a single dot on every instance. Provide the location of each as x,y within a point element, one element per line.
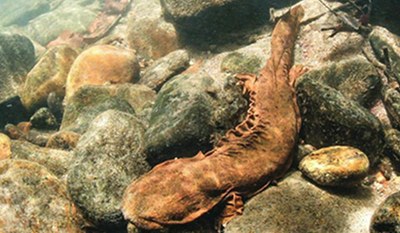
<point>244,162</point>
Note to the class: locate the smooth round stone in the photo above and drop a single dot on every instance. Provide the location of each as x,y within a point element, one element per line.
<point>335,166</point>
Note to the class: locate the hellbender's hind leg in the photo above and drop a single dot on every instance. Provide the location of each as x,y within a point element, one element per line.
<point>233,207</point>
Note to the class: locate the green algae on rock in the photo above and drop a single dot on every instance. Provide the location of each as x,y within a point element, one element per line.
<point>335,166</point>
<point>188,109</point>
<point>329,118</point>
<point>34,200</point>
<point>43,119</point>
<point>354,78</point>
<point>108,157</point>
<point>56,161</point>
<point>240,63</point>
<point>48,75</point>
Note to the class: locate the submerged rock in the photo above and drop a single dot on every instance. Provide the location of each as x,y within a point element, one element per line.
<point>354,78</point>
<point>165,68</point>
<point>108,157</point>
<point>329,118</point>
<point>391,100</point>
<point>56,161</point>
<point>63,140</point>
<point>43,119</point>
<point>34,200</point>
<point>5,147</point>
<point>387,217</point>
<point>148,32</point>
<point>117,66</point>
<point>49,75</point>
<point>188,109</point>
<point>212,18</point>
<point>335,166</point>
<point>296,205</point>
<point>239,63</point>
<point>87,103</point>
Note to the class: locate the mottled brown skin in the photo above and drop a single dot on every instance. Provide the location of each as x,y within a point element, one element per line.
<point>244,162</point>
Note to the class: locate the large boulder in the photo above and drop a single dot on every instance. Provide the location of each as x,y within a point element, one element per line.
<point>189,109</point>
<point>34,200</point>
<point>329,118</point>
<point>48,75</point>
<point>102,64</point>
<point>108,157</point>
<point>211,18</point>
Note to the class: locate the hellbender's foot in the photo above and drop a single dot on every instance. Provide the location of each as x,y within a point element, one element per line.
<point>233,208</point>
<point>295,72</point>
<point>247,81</point>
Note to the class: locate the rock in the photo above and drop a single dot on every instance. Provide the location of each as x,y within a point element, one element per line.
<point>55,105</point>
<point>117,66</point>
<point>5,147</point>
<point>148,32</point>
<point>329,118</point>
<point>335,166</point>
<point>188,109</point>
<point>20,12</point>
<point>90,101</point>
<point>392,139</point>
<point>391,100</point>
<point>63,140</point>
<point>296,205</point>
<point>387,217</point>
<point>300,152</point>
<point>17,56</point>
<point>68,16</point>
<point>109,156</point>
<point>34,200</point>
<point>211,18</point>
<point>165,68</point>
<point>355,78</point>
<point>48,75</point>
<point>239,63</point>
<point>56,161</point>
<point>43,119</point>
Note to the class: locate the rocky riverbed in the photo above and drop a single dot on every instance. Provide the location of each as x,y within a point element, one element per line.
<point>94,93</point>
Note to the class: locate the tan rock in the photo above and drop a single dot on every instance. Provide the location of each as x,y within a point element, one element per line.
<point>335,166</point>
<point>102,64</point>
<point>5,147</point>
<point>63,140</point>
<point>48,75</point>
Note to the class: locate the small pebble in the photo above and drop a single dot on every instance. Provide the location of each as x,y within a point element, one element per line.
<point>335,166</point>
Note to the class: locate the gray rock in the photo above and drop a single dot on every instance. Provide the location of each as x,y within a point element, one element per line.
<point>391,100</point>
<point>87,103</point>
<point>165,68</point>
<point>387,217</point>
<point>34,200</point>
<point>148,32</point>
<point>188,109</point>
<point>335,166</point>
<point>108,157</point>
<point>392,139</point>
<point>211,18</point>
<point>329,118</point>
<point>296,205</point>
<point>355,78</point>
<point>56,161</point>
<point>43,119</point>
<point>17,57</point>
